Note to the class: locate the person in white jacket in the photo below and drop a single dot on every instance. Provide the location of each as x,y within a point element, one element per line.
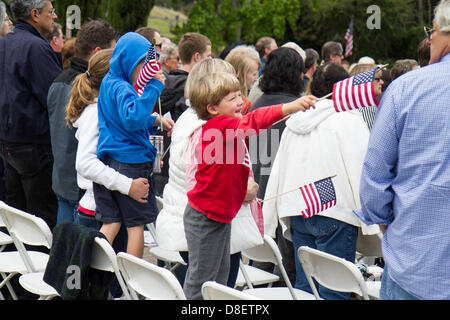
<point>318,144</point>
<point>169,223</point>
<point>82,113</point>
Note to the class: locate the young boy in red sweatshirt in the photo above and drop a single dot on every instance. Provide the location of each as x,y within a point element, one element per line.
<point>217,186</point>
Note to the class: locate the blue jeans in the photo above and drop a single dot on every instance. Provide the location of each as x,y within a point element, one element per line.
<point>67,210</point>
<point>328,235</point>
<point>392,291</point>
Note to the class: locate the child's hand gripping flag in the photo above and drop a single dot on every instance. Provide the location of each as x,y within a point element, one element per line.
<point>355,92</point>
<point>150,68</point>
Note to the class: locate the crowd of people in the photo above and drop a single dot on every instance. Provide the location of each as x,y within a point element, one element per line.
<point>238,129</point>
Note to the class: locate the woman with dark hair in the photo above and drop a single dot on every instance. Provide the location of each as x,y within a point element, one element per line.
<point>281,82</point>
<point>318,144</point>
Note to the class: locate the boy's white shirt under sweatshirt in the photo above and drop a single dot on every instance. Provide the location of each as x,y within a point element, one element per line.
<point>89,167</point>
<point>317,144</point>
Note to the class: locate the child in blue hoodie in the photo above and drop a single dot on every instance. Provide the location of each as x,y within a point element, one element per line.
<point>125,124</point>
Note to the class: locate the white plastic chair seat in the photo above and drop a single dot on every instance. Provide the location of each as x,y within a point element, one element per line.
<point>373,289</point>
<point>166,255</point>
<point>279,293</point>
<point>5,239</point>
<point>256,275</point>
<point>33,282</point>
<point>10,261</point>
<point>212,290</point>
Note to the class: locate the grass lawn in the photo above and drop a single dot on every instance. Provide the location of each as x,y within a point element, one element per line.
<point>162,19</point>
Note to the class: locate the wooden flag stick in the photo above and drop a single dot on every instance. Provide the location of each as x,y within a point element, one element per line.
<point>287,117</point>
<point>282,194</point>
<point>165,153</point>
<point>160,115</point>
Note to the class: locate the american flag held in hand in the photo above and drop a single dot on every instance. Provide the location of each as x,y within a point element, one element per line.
<point>150,68</point>
<point>355,92</point>
<point>318,196</point>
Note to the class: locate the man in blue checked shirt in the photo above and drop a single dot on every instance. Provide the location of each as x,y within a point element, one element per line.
<point>405,183</point>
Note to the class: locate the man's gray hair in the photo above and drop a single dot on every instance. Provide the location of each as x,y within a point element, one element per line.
<point>167,50</point>
<point>2,12</point>
<point>21,9</point>
<point>442,16</point>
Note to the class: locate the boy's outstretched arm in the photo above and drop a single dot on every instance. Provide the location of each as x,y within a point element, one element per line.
<point>301,104</point>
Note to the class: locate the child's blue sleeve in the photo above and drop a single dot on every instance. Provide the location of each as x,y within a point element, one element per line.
<point>135,113</point>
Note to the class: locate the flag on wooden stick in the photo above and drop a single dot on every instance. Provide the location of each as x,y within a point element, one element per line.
<point>318,196</point>
<point>355,92</point>
<point>150,68</point>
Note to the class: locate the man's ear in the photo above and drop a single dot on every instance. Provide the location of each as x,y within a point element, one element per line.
<point>196,57</point>
<point>34,15</point>
<point>211,110</point>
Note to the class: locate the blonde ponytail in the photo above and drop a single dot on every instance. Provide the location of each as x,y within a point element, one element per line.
<point>86,86</point>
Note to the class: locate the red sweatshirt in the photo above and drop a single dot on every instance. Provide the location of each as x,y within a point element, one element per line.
<point>223,162</point>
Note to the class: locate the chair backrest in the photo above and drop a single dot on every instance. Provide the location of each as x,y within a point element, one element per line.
<point>212,290</point>
<point>104,258</point>
<point>26,227</point>
<point>370,245</point>
<point>149,280</point>
<point>269,252</point>
<point>266,252</point>
<point>331,272</point>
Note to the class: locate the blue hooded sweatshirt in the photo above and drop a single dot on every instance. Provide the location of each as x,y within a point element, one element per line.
<point>124,120</point>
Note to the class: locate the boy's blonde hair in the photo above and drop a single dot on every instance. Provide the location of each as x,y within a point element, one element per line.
<point>210,90</point>
<point>204,67</point>
<point>86,86</point>
<point>241,58</point>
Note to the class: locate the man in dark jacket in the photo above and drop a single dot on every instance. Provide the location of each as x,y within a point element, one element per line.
<point>92,37</point>
<point>28,66</point>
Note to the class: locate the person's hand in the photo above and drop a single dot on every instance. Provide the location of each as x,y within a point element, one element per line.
<point>139,190</point>
<point>301,104</point>
<point>159,75</point>
<point>252,190</point>
<point>168,125</point>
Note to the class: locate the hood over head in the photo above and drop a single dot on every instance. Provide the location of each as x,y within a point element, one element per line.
<point>131,49</point>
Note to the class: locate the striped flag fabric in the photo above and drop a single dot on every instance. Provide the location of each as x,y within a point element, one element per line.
<point>318,196</point>
<point>355,92</point>
<point>349,40</point>
<point>150,68</point>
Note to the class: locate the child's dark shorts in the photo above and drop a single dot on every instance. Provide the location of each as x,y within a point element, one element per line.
<point>113,206</point>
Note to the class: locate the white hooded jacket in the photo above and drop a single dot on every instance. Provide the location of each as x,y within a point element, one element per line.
<point>317,144</point>
<point>169,223</point>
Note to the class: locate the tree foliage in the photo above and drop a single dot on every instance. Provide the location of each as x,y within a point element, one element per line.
<point>124,16</point>
<point>310,23</point>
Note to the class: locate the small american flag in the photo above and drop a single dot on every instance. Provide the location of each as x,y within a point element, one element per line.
<point>349,40</point>
<point>318,196</point>
<point>355,92</point>
<point>151,66</point>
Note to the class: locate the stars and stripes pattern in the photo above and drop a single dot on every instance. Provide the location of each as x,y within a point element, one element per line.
<point>355,92</point>
<point>349,40</point>
<point>318,196</point>
<point>150,68</point>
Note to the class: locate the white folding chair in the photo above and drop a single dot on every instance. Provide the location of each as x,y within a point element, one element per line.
<point>332,272</point>
<point>149,280</point>
<point>212,290</point>
<point>104,258</point>
<point>251,276</point>
<point>24,228</point>
<point>172,259</point>
<point>5,239</point>
<point>269,252</point>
